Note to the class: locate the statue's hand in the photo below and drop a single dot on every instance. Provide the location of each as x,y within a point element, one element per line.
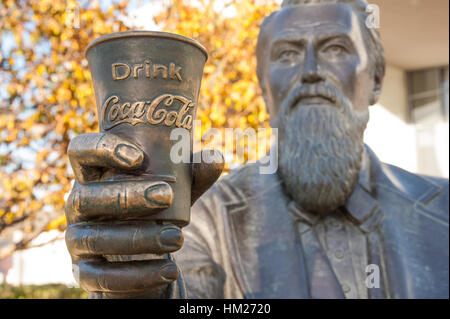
<point>101,217</point>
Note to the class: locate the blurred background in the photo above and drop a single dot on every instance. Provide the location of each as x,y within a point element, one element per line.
<point>46,98</point>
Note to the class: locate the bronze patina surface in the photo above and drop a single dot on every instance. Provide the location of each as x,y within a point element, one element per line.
<point>127,187</point>
<point>332,222</point>
<point>146,84</point>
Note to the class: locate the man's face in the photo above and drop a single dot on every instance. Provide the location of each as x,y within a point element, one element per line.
<point>318,87</point>
<point>313,44</point>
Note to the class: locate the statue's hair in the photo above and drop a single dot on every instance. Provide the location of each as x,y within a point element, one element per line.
<point>373,42</point>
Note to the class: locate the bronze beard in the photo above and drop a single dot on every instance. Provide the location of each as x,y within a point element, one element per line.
<point>320,148</point>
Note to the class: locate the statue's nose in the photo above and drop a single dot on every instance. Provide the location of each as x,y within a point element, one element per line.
<point>311,72</point>
<point>311,77</point>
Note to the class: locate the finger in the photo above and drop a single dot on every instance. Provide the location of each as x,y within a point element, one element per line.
<point>205,173</point>
<point>101,276</point>
<point>89,152</point>
<point>122,238</point>
<point>117,200</point>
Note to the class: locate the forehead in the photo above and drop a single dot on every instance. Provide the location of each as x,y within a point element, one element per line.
<point>314,20</point>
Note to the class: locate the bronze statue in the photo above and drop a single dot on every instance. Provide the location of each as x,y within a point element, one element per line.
<point>333,222</point>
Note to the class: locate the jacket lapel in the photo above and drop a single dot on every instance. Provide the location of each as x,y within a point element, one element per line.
<point>262,240</point>
<point>406,234</point>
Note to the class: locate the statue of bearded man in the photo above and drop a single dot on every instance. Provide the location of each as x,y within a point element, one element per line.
<point>333,221</point>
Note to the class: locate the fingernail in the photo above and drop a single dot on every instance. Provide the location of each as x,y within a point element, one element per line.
<point>171,237</point>
<point>169,272</point>
<point>159,195</point>
<point>128,154</point>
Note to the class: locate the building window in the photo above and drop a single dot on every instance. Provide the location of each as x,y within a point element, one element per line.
<point>429,113</point>
<point>429,95</point>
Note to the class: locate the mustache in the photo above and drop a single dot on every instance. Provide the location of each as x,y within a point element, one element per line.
<point>326,91</point>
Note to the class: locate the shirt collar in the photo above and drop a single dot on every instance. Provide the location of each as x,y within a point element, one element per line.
<point>362,208</point>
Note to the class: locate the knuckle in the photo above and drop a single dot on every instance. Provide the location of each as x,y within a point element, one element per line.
<point>93,278</point>
<point>80,241</point>
<point>67,204</point>
<point>72,206</point>
<point>70,238</point>
<point>83,143</point>
<point>75,143</point>
<point>68,207</point>
<point>102,283</point>
<point>106,144</point>
<point>103,143</point>
<point>84,241</point>
<point>71,147</point>
<point>85,276</point>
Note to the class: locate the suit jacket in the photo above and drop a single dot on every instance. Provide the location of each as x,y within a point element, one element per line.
<point>242,243</point>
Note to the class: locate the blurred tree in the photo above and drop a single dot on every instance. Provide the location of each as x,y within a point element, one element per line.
<point>48,100</point>
<point>46,95</point>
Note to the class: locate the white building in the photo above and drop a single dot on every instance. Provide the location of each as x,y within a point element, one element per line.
<point>409,127</point>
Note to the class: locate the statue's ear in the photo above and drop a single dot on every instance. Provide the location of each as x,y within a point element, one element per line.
<point>376,92</point>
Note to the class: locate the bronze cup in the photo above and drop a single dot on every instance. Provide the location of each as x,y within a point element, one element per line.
<point>146,85</point>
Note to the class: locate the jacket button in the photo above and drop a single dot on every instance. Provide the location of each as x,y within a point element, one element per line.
<point>346,288</point>
<point>339,254</point>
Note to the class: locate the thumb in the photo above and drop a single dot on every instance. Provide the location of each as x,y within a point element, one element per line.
<point>205,173</point>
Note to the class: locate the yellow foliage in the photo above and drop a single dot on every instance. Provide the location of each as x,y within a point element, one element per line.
<point>57,223</point>
<point>55,88</point>
<point>56,84</point>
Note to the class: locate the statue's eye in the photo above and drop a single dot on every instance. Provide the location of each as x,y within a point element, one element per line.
<point>335,51</point>
<point>287,56</point>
